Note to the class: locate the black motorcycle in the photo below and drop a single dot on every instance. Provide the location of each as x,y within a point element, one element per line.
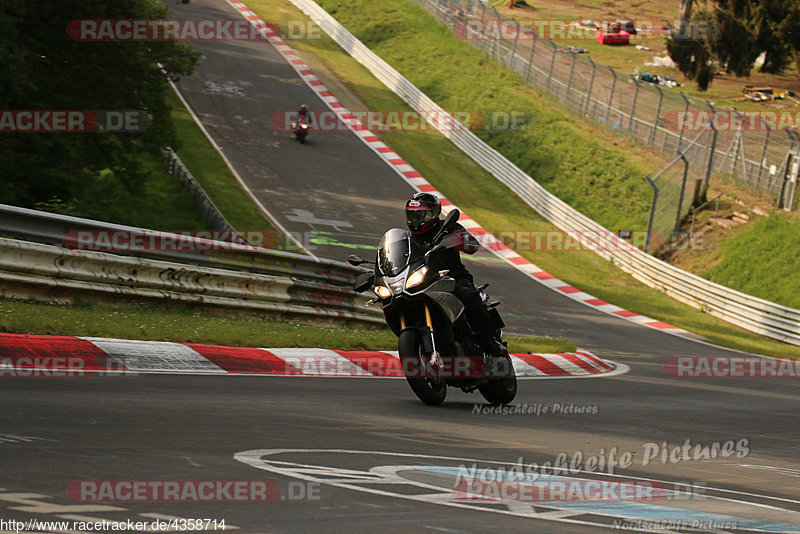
<point>436,344</point>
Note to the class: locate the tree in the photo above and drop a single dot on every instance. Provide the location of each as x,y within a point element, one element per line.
<point>44,69</point>
<point>734,33</point>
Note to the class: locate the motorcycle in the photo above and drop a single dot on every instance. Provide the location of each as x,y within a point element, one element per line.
<point>436,345</point>
<point>300,130</point>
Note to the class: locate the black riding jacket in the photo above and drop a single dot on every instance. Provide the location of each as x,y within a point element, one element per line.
<point>449,258</point>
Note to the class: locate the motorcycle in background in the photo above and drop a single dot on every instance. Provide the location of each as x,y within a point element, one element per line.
<point>300,130</point>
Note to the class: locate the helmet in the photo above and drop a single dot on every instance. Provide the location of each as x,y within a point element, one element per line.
<point>422,212</point>
<point>304,107</point>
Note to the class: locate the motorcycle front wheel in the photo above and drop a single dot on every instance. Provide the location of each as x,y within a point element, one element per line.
<point>501,390</point>
<point>431,391</point>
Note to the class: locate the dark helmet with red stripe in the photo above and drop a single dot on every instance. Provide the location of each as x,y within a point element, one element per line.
<point>422,212</point>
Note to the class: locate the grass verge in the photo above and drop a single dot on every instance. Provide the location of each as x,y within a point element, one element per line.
<point>182,325</point>
<point>466,183</point>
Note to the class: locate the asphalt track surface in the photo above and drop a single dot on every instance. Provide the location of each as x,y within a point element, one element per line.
<point>54,432</point>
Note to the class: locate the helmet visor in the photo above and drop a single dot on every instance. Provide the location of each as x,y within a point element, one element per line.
<point>417,217</point>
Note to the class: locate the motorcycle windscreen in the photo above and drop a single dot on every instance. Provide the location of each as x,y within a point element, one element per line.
<point>395,252</point>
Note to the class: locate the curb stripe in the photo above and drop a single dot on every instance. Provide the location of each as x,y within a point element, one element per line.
<point>245,360</point>
<point>121,355</point>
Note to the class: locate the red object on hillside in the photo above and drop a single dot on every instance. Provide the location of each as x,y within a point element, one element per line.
<point>620,38</point>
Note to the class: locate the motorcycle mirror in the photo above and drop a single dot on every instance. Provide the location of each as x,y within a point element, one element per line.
<point>364,281</point>
<point>354,260</point>
<point>450,219</point>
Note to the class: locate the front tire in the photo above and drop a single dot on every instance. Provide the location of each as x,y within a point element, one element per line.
<point>431,391</point>
<point>501,390</point>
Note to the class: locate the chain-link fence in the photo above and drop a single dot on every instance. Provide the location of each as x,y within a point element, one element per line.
<point>664,119</point>
<point>677,187</point>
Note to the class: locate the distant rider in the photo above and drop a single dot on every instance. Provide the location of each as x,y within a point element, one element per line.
<point>302,115</point>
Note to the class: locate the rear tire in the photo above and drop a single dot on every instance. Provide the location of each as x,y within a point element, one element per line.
<point>501,390</point>
<point>428,390</point>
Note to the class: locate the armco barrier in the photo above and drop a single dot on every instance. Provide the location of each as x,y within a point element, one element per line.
<point>23,263</point>
<point>754,314</point>
<point>53,229</point>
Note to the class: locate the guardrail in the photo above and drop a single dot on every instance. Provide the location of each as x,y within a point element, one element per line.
<point>24,264</point>
<point>63,230</point>
<point>754,314</point>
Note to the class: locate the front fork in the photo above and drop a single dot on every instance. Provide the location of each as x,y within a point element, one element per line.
<point>435,358</point>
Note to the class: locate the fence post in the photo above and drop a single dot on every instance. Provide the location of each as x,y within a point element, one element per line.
<point>763,153</point>
<point>591,85</point>
<point>611,93</point>
<point>633,105</point>
<point>658,116</point>
<point>530,58</point>
<point>739,148</point>
<point>514,48</point>
<point>683,122</point>
<point>569,80</point>
<point>683,192</point>
<point>552,64</point>
<point>652,213</point>
<point>713,148</point>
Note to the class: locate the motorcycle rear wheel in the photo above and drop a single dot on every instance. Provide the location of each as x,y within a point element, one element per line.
<point>428,390</point>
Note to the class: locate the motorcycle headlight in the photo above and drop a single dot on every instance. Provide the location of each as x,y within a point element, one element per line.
<point>383,292</point>
<point>304,126</point>
<point>417,277</point>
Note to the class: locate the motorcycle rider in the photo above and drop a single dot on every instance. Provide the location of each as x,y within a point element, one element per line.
<point>301,114</point>
<point>423,212</point>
